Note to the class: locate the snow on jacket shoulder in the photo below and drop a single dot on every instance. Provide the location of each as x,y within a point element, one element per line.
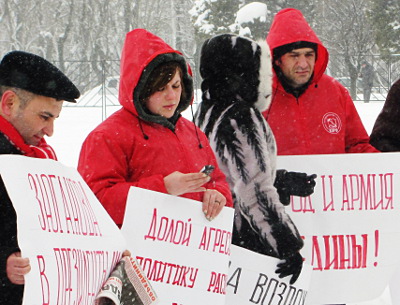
<point>136,148</point>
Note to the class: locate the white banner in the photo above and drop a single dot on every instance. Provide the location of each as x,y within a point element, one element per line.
<point>351,224</point>
<point>252,280</point>
<point>184,255</point>
<point>350,227</point>
<point>69,238</point>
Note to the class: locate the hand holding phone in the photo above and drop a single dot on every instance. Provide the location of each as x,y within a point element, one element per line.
<point>208,169</point>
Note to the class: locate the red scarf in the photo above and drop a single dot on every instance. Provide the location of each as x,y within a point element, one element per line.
<point>42,151</point>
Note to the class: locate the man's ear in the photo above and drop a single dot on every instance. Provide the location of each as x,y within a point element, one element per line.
<point>278,62</point>
<point>8,102</point>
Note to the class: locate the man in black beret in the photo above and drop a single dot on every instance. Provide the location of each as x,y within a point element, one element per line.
<point>32,91</point>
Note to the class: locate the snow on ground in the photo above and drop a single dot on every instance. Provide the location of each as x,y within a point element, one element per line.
<point>368,113</point>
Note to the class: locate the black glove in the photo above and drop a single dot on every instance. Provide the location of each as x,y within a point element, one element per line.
<point>293,183</point>
<point>291,266</point>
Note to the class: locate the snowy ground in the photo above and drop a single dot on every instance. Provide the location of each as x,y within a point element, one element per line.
<point>75,123</point>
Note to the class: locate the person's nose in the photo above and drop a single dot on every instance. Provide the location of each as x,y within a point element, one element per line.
<point>302,62</point>
<point>49,129</point>
<point>170,93</point>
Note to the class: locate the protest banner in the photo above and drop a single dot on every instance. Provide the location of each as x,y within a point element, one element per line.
<point>252,280</point>
<point>184,255</point>
<point>350,224</point>
<point>69,238</point>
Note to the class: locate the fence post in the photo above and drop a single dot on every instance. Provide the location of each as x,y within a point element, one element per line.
<point>103,91</point>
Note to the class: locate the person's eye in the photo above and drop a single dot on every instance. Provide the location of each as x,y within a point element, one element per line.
<point>176,86</point>
<point>161,89</point>
<point>45,117</point>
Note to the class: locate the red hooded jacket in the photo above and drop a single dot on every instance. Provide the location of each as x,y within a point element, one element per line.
<point>323,119</point>
<point>135,148</point>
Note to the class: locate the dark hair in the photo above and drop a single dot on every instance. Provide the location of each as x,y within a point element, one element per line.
<point>278,52</point>
<point>160,77</point>
<point>24,96</point>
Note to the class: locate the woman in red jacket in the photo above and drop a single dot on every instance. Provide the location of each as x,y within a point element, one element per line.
<point>147,143</point>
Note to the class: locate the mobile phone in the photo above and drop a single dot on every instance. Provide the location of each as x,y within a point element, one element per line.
<point>208,169</point>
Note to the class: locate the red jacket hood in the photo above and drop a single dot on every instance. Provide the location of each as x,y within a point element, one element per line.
<point>141,53</point>
<point>288,26</point>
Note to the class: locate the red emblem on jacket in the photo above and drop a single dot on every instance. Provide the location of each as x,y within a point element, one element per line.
<point>332,123</point>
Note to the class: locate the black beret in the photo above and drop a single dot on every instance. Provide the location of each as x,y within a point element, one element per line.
<point>283,49</point>
<point>35,74</point>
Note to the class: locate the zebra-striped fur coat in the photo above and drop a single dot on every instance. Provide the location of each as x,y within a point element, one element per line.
<point>237,85</point>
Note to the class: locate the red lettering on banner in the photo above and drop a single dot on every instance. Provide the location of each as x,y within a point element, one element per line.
<point>74,206</point>
<point>88,268</point>
<point>316,258</point>
<point>45,195</point>
<point>34,187</point>
<point>328,198</point>
<point>90,217</point>
<point>367,192</point>
<point>63,260</point>
<point>67,209</point>
<point>168,273</point>
<point>376,246</point>
<point>216,240</point>
<point>217,283</point>
<point>44,282</point>
<point>53,192</point>
<point>301,204</point>
<point>116,257</point>
<point>169,230</point>
<point>339,252</point>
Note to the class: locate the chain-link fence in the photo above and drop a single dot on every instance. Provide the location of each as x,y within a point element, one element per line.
<point>99,84</point>
<point>386,70</point>
<point>100,77</point>
<point>98,81</point>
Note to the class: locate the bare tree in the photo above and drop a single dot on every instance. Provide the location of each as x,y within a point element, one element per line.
<point>16,26</point>
<point>347,32</point>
